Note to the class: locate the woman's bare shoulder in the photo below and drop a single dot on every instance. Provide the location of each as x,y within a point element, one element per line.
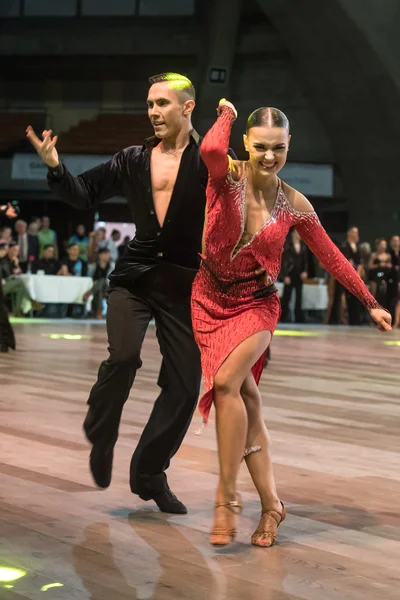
<point>296,199</point>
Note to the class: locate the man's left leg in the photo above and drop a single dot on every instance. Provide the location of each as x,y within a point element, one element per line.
<point>173,410</point>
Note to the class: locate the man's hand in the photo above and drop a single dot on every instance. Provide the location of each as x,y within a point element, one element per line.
<point>287,281</point>
<point>267,279</point>
<point>382,318</point>
<point>303,276</point>
<point>45,148</point>
<point>224,102</point>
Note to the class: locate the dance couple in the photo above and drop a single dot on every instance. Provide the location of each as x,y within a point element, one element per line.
<point>170,183</point>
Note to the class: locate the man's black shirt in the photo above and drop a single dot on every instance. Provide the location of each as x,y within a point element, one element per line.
<point>128,174</point>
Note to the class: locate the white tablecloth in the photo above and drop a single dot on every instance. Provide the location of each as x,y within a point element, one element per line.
<point>56,289</point>
<point>314,297</point>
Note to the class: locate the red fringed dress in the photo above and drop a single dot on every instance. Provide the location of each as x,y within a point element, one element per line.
<point>229,303</point>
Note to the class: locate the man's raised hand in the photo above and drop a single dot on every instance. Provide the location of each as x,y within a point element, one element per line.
<point>46,147</point>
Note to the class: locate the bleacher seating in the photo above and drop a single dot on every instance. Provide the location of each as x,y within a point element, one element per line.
<point>105,134</point>
<point>12,130</point>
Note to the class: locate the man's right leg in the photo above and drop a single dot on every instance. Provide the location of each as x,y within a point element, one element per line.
<point>127,320</point>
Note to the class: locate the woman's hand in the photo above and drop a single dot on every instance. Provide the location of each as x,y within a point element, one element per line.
<point>382,318</point>
<point>224,102</point>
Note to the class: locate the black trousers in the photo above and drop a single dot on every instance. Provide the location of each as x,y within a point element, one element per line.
<point>163,294</point>
<point>297,285</point>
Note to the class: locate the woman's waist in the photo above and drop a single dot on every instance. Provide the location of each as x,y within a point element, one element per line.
<point>237,282</point>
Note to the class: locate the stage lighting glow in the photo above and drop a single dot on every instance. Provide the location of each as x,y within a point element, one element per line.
<point>296,333</point>
<point>9,574</point>
<point>392,343</point>
<point>66,336</point>
<point>50,586</point>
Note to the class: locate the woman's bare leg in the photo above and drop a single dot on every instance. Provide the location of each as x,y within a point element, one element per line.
<point>232,425</point>
<point>259,462</point>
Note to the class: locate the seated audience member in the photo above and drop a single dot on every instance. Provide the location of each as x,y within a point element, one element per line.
<point>14,286</point>
<point>13,258</point>
<point>99,273</point>
<point>73,265</point>
<point>48,264</point>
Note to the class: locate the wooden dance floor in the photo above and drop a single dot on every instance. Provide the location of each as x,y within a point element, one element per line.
<point>332,404</point>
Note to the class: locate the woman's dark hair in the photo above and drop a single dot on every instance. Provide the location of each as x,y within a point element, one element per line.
<point>267,116</point>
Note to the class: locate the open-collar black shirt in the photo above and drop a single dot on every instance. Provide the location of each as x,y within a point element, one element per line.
<point>128,174</point>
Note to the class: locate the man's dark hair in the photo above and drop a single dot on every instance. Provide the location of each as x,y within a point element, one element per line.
<point>267,116</point>
<point>103,251</point>
<point>178,82</point>
<point>71,245</point>
<point>50,246</point>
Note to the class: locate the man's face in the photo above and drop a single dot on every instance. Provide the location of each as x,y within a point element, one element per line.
<point>49,253</point>
<point>80,230</point>
<point>20,227</point>
<point>73,252</point>
<point>353,235</point>
<point>45,223</point>
<point>104,258</point>
<point>166,110</point>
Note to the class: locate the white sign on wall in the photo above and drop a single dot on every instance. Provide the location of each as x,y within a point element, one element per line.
<point>309,179</point>
<point>30,166</point>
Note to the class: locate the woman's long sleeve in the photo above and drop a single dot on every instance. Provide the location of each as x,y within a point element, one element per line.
<point>215,145</point>
<point>316,238</point>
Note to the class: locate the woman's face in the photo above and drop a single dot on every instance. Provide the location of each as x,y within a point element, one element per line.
<point>382,246</point>
<point>267,148</point>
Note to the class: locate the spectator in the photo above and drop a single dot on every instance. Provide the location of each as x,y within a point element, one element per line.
<point>28,244</point>
<point>294,273</point>
<point>47,237</point>
<point>99,273</point>
<point>48,264</point>
<point>14,286</point>
<point>73,265</point>
<point>81,238</point>
<point>6,235</point>
<point>380,268</point>
<point>36,221</point>
<point>13,259</point>
<point>394,277</point>
<point>121,247</point>
<point>351,251</point>
<point>112,245</point>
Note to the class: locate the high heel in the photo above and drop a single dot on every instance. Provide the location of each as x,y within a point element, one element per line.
<point>265,538</point>
<point>226,536</point>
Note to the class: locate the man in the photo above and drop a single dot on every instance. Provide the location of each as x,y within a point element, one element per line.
<point>72,264</point>
<point>164,183</point>
<point>47,236</point>
<point>99,272</point>
<point>394,278</point>
<point>28,244</point>
<point>48,264</point>
<point>351,251</point>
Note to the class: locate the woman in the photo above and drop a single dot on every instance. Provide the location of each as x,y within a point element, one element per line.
<point>380,267</point>
<point>249,213</point>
